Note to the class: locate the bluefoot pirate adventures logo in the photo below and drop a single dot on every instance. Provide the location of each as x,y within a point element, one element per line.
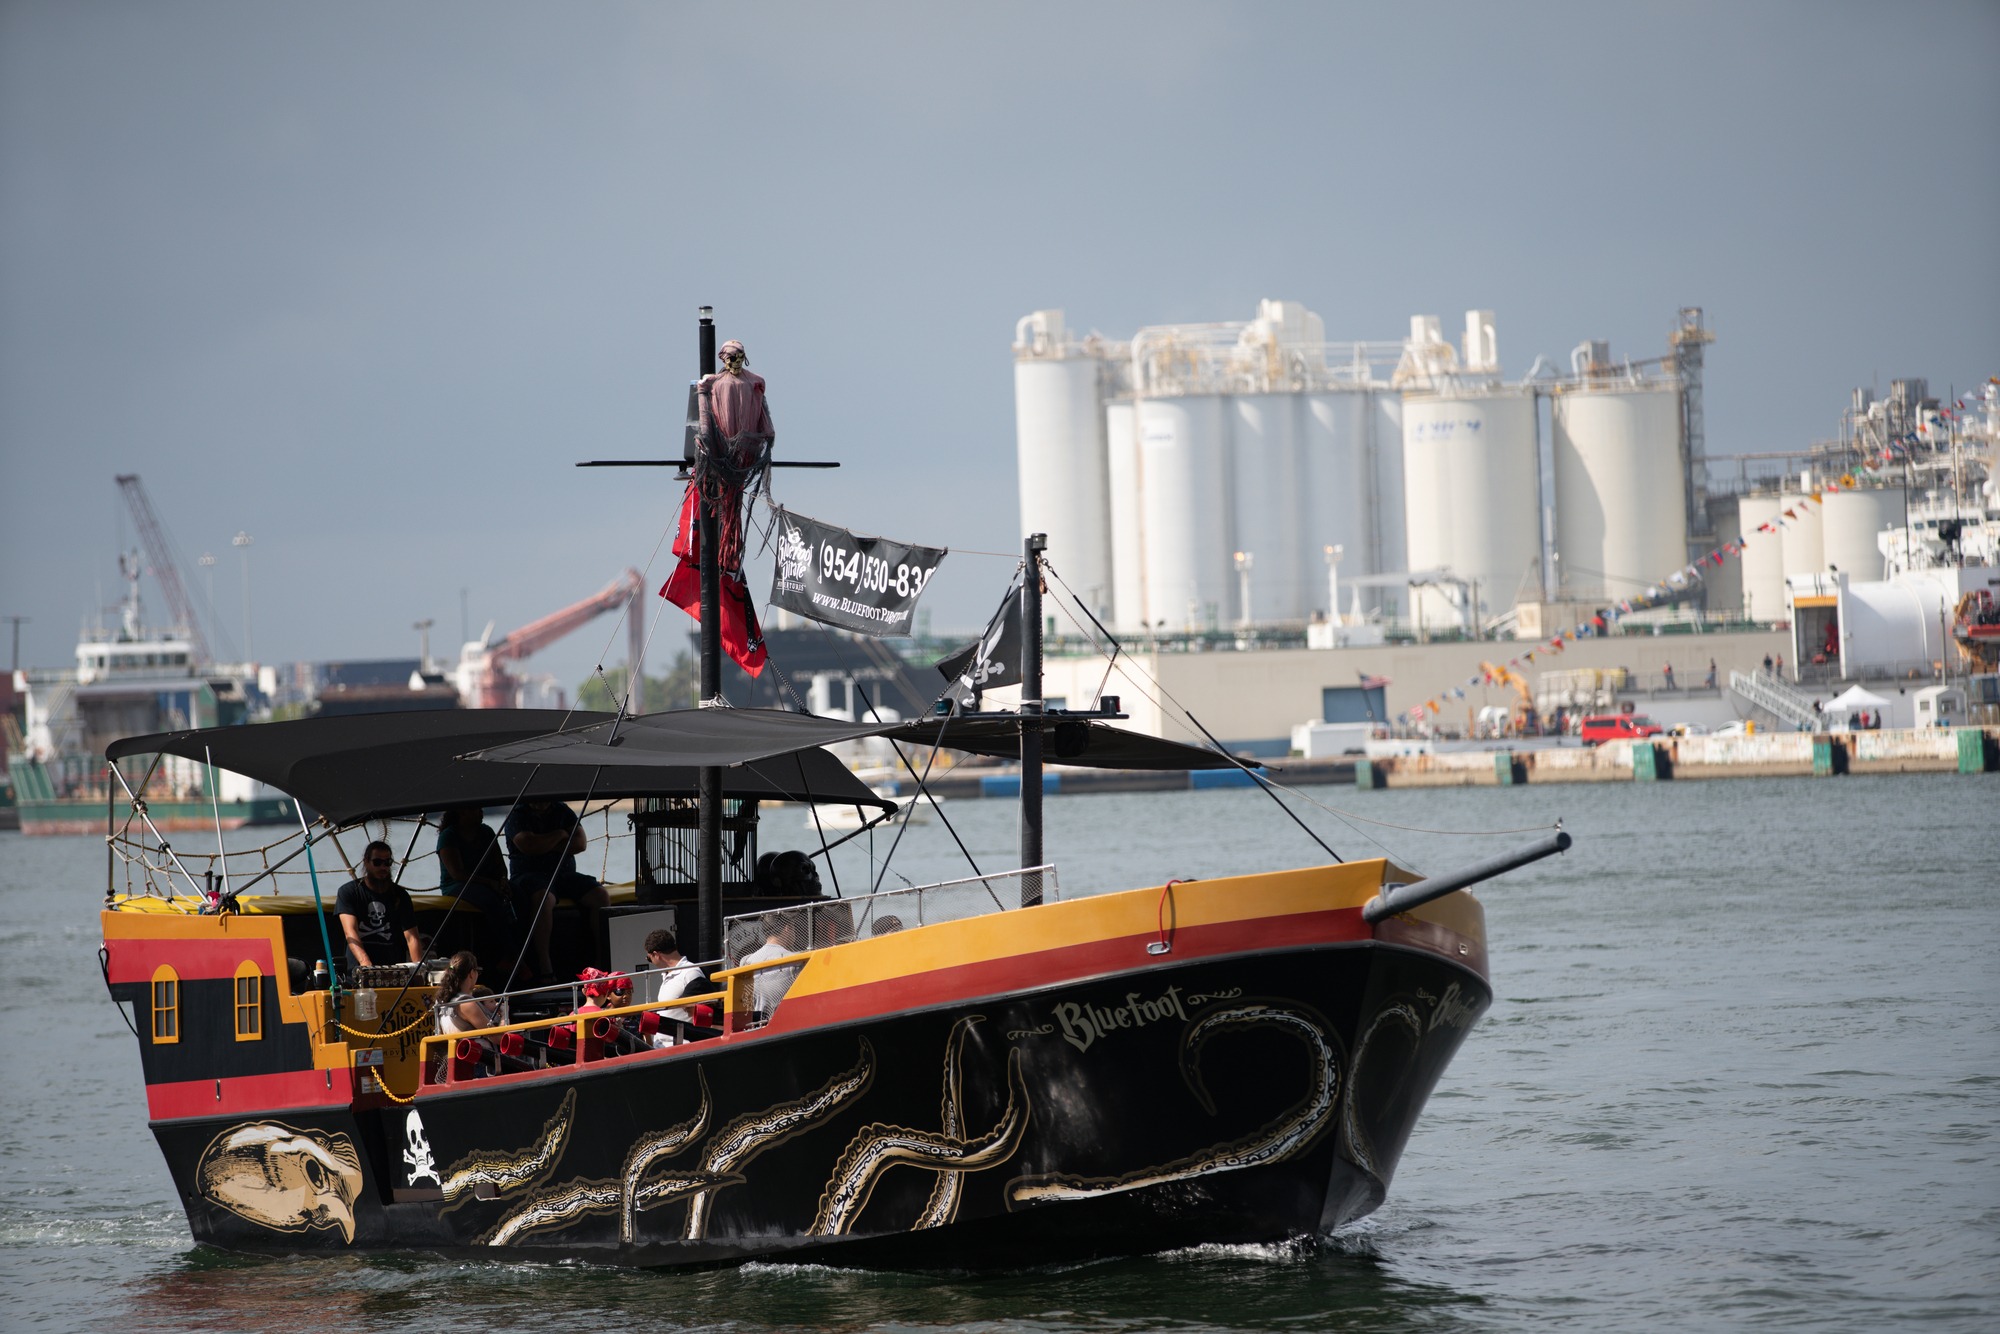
<point>1083,1024</point>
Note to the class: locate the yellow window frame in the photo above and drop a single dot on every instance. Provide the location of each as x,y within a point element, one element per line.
<point>248,1001</point>
<point>166,1005</point>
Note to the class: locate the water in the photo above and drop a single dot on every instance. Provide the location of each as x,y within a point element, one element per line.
<point>1743,1069</point>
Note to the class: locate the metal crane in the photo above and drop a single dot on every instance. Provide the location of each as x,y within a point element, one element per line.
<point>160,559</point>
<point>482,677</point>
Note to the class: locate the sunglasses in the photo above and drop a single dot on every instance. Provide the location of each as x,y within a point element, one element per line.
<point>380,861</point>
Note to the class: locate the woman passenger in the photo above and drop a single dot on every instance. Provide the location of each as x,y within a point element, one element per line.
<point>462,1007</point>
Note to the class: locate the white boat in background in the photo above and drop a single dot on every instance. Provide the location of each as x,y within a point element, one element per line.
<point>910,809</point>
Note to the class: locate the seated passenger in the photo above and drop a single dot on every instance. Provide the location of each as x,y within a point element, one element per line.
<point>543,838</point>
<point>462,1007</point>
<point>611,991</point>
<point>769,985</point>
<point>678,977</point>
<point>471,867</point>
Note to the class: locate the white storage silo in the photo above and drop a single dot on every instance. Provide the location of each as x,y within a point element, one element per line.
<point>1128,548</point>
<point>1184,510</point>
<point>1621,512</point>
<point>1470,496</point>
<point>1850,522</point>
<point>1386,515</point>
<point>1723,583</point>
<point>1333,495</point>
<point>1268,513</point>
<point>1059,433</point>
<point>1803,545</point>
<point>1763,558</point>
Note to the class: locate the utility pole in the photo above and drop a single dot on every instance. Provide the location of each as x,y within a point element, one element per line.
<point>423,629</point>
<point>16,621</point>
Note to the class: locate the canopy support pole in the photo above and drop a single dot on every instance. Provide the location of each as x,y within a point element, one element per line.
<point>1031,717</point>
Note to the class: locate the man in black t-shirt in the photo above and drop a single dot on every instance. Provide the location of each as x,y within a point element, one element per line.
<point>374,910</point>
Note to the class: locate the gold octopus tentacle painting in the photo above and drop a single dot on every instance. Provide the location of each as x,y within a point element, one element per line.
<point>1290,1133</point>
<point>747,1136</point>
<point>948,1152</point>
<point>650,1149</point>
<point>496,1173</point>
<point>282,1178</point>
<point>1400,1018</point>
<point>562,1204</point>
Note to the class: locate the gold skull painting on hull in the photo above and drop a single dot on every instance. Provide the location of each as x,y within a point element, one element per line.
<point>283,1178</point>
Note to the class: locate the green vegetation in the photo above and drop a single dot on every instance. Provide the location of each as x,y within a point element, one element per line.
<point>678,689</point>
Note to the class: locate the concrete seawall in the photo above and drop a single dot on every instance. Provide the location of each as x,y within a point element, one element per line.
<point>1968,750</point>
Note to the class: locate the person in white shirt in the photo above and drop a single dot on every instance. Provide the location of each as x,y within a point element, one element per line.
<point>678,977</point>
<point>769,986</point>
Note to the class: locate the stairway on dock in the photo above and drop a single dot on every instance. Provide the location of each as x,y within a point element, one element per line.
<point>1781,704</point>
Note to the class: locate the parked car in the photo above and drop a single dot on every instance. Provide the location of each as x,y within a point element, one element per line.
<point>1687,729</point>
<point>1737,728</point>
<point>1617,727</point>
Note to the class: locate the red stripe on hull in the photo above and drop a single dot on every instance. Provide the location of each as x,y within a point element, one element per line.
<point>1072,963</point>
<point>245,1094</point>
<point>191,960</point>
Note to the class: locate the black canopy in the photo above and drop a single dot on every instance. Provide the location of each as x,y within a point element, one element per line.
<point>727,736</point>
<point>682,736</point>
<point>1081,743</point>
<point>370,765</point>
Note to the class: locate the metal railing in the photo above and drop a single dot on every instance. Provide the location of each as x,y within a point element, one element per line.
<point>581,1022</point>
<point>1772,695</point>
<point>825,922</point>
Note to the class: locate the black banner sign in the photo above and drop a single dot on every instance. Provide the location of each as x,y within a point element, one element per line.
<point>866,584</point>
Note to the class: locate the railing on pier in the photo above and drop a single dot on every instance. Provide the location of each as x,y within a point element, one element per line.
<point>1772,695</point>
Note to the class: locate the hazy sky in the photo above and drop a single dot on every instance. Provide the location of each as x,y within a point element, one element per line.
<point>366,278</point>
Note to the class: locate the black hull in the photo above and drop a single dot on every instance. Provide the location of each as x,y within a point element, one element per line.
<point>1248,1098</point>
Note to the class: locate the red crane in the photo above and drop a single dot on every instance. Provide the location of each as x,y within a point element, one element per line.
<point>482,677</point>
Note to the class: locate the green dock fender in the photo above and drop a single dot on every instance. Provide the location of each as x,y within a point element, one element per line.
<point>1829,757</point>
<point>1649,764</point>
<point>1367,774</point>
<point>1976,751</point>
<point>1505,771</point>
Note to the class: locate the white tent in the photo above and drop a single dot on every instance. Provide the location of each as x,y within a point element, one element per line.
<point>1854,697</point>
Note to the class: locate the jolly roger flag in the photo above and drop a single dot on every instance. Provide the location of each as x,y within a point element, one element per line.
<point>992,663</point>
<point>866,584</point>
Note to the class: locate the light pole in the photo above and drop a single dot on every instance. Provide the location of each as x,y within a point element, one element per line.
<point>423,629</point>
<point>242,542</point>
<point>1245,561</point>
<point>207,563</point>
<point>1333,555</point>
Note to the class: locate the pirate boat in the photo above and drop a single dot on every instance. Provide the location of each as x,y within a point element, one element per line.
<point>993,1071</point>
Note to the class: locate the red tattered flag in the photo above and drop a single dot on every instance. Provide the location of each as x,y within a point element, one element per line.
<point>742,636</point>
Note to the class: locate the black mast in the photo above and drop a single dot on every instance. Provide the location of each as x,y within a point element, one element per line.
<point>1032,548</point>
<point>708,856</point>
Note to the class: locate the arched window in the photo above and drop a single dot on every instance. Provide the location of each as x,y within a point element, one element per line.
<point>249,1002</point>
<point>166,1005</point>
